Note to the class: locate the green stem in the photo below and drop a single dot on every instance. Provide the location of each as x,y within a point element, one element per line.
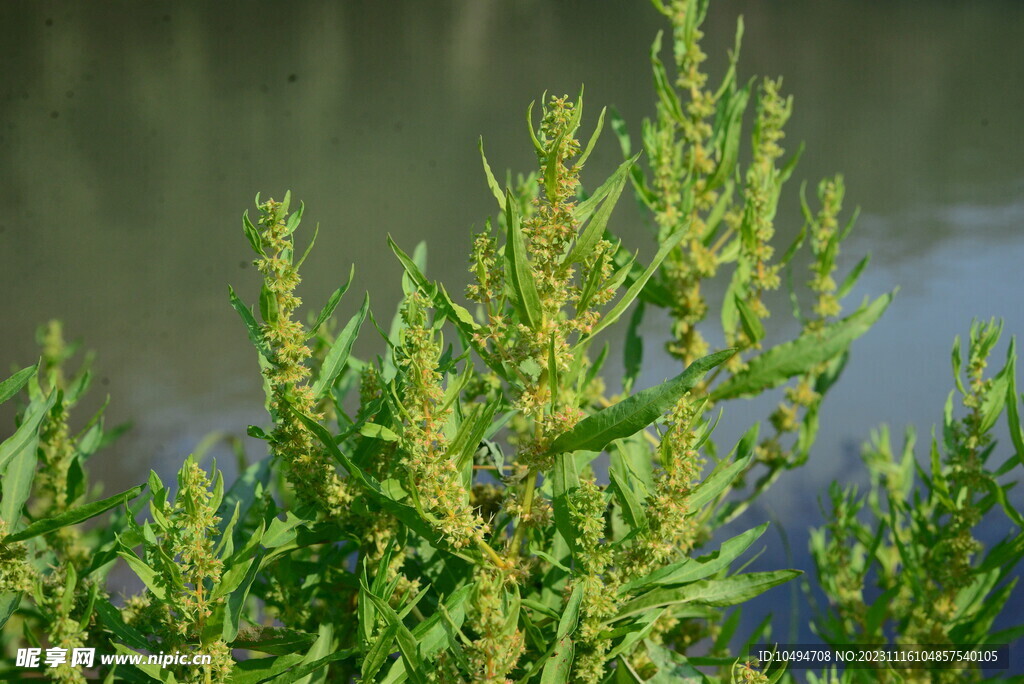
<point>531,487</point>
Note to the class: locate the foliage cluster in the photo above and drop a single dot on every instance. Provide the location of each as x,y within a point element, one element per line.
<point>387,537</point>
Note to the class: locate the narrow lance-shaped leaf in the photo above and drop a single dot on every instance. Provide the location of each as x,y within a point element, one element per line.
<point>1012,399</point>
<point>337,357</point>
<point>854,275</point>
<point>406,641</point>
<point>715,592</point>
<point>633,511</point>
<point>520,274</point>
<point>18,462</point>
<point>74,516</point>
<point>594,231</point>
<point>752,325</point>
<point>332,304</point>
<point>784,361</point>
<point>13,384</point>
<point>662,84</point>
<point>729,152</point>
<point>251,326</point>
<point>633,350</point>
<point>252,235</point>
<point>633,414</point>
<point>693,569</point>
<point>558,667</point>
<point>593,140</point>
<point>492,182</point>
<point>638,285</point>
<point>27,434</point>
<point>268,305</point>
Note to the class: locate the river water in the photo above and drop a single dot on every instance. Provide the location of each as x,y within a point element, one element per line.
<point>133,136</point>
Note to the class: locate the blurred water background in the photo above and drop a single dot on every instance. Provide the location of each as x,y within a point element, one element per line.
<point>132,136</point>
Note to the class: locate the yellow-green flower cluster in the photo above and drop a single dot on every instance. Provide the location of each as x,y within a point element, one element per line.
<point>548,232</point>
<point>437,480</point>
<point>64,630</point>
<point>498,644</point>
<point>195,522</point>
<point>682,160</point>
<point>312,475</point>
<point>948,563</point>
<point>748,672</point>
<point>671,530</point>
<point>762,192</point>
<point>587,509</point>
<point>56,446</point>
<point>16,575</point>
<point>191,532</point>
<point>825,247</point>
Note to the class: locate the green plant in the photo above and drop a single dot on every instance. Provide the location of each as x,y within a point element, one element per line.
<point>917,547</point>
<point>386,537</point>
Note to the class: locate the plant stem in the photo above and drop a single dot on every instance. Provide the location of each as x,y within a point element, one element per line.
<point>531,487</point>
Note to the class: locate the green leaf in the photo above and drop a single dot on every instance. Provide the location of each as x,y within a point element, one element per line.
<point>594,231</point>
<point>111,617</point>
<point>673,668</point>
<point>693,569</point>
<point>492,182</point>
<point>376,431</point>
<point>634,413</point>
<point>309,248</point>
<point>564,481</point>
<point>632,508</point>
<point>537,146</point>
<point>253,235</point>
<point>268,305</point>
<point>302,670</point>
<point>9,602</point>
<point>13,384</point>
<point>558,667</point>
<point>338,355</point>
<point>593,140</point>
<point>666,94</point>
<point>406,641</point>
<point>273,640</point>
<point>237,595</point>
<point>293,221</point>
<point>729,151</point>
<point>26,436</point>
<point>405,513</point>
<point>633,350</point>
<point>993,401</point>
<point>259,670</point>
<point>74,516</point>
<point>571,615</point>
<point>153,581</point>
<point>715,592</point>
<point>854,275</point>
<point>253,328</point>
<point>520,274</point>
<point>752,325</point>
<point>721,477</point>
<point>331,305</point>
<point>801,355</point>
<point>18,461</point>
<point>638,285</point>
<point>1012,399</point>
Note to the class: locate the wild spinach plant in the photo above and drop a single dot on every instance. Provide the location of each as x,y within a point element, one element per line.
<point>911,571</point>
<point>482,508</point>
